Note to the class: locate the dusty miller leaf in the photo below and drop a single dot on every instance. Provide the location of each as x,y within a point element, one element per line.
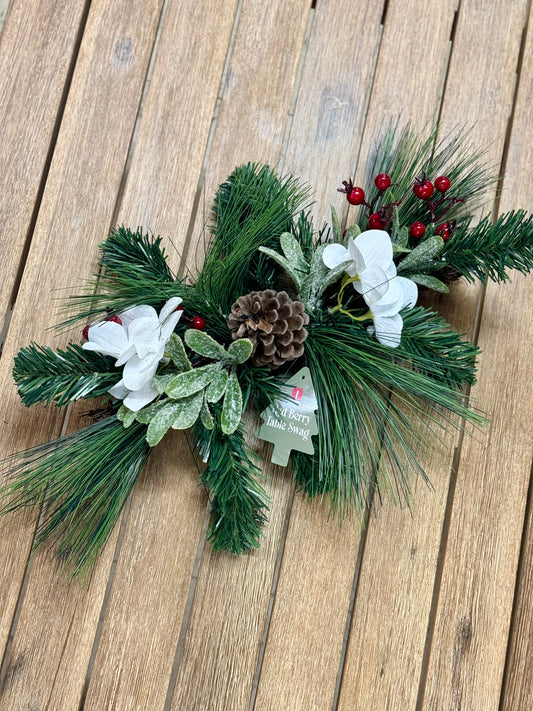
<point>188,411</point>
<point>176,351</point>
<point>161,422</point>
<point>192,381</point>
<point>160,382</point>
<point>204,345</point>
<point>217,387</point>
<point>232,407</point>
<point>208,421</point>
<point>430,282</point>
<point>284,264</point>
<point>423,256</point>
<point>293,252</point>
<point>335,225</point>
<point>240,350</point>
<point>352,232</point>
<point>145,415</point>
<point>126,416</point>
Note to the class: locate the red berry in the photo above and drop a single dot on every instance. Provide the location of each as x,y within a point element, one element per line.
<point>439,229</point>
<point>115,319</point>
<point>423,190</point>
<point>85,332</point>
<point>179,308</point>
<point>445,234</point>
<point>375,222</point>
<point>356,196</point>
<point>417,230</point>
<point>198,323</point>
<point>382,181</point>
<point>442,183</point>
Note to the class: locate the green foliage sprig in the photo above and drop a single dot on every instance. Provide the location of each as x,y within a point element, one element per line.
<point>44,376</point>
<point>83,481</point>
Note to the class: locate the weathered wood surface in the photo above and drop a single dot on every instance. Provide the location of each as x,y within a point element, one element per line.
<point>135,112</point>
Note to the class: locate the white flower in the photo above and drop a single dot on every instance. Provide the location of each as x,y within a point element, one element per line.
<point>138,343</point>
<point>402,293</point>
<point>369,262</point>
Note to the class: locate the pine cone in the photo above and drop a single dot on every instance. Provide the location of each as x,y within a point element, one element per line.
<point>273,322</point>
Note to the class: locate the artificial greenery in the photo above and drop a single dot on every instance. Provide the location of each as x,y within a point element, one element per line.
<point>44,376</point>
<point>83,481</point>
<point>380,377</point>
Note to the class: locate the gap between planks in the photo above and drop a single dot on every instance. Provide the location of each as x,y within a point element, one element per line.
<point>44,176</point>
<point>457,454</point>
<point>18,279</point>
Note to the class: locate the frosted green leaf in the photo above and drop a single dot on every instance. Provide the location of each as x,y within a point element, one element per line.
<point>217,387</point>
<point>206,416</point>
<point>401,239</point>
<point>188,411</point>
<point>319,278</point>
<point>202,343</point>
<point>162,421</point>
<point>293,252</point>
<point>160,382</point>
<point>430,282</point>
<point>176,351</point>
<point>422,257</point>
<point>145,415</point>
<point>335,225</point>
<point>240,350</point>
<point>232,407</point>
<point>192,381</point>
<point>352,232</point>
<point>284,263</point>
<point>126,416</point>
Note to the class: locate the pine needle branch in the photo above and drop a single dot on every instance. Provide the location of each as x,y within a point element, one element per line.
<point>252,209</point>
<point>83,480</point>
<point>133,271</point>
<point>44,376</point>
<point>437,350</point>
<point>487,250</point>
<point>354,378</point>
<point>238,502</point>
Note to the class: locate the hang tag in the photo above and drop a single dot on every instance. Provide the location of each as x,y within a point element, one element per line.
<point>290,422</point>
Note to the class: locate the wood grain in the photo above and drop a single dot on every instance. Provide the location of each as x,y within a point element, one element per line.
<point>256,98</point>
<point>518,687</point>
<point>135,656</point>
<point>75,214</point>
<point>469,641</point>
<point>32,84</point>
<point>395,591</point>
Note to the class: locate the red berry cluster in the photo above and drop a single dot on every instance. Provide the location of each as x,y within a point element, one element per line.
<point>377,220</point>
<point>423,188</point>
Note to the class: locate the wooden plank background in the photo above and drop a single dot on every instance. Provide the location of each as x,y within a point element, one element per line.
<point>134,111</point>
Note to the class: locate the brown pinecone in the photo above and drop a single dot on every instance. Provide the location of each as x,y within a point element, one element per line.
<point>273,322</point>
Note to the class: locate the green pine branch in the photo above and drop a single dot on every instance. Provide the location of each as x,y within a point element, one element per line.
<point>238,502</point>
<point>44,376</point>
<point>252,209</point>
<point>437,350</point>
<point>83,481</point>
<point>133,271</point>
<point>386,397</point>
<point>489,249</point>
